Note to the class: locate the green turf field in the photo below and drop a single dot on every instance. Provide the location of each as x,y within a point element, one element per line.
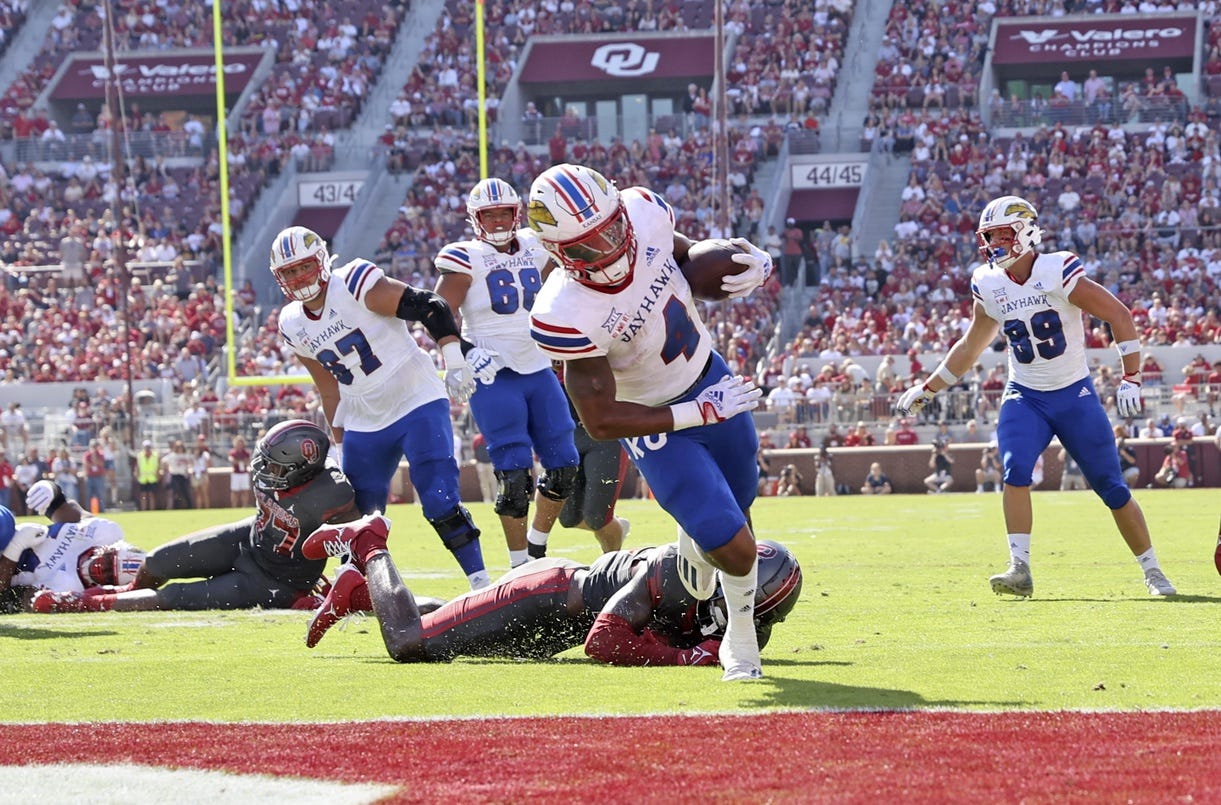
<point>896,612</point>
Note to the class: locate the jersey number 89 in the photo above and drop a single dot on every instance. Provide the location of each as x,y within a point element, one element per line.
<point>1044,336</point>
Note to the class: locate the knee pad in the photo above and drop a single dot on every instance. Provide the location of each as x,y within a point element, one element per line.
<point>513,499</point>
<point>1116,497</point>
<point>557,483</point>
<point>456,528</point>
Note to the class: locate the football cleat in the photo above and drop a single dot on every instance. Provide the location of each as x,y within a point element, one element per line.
<point>740,659</point>
<point>48,601</point>
<point>348,594</point>
<point>1016,580</point>
<point>358,538</point>
<point>1157,582</point>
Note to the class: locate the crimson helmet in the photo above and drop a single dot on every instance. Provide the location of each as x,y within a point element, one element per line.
<point>777,591</point>
<point>289,454</point>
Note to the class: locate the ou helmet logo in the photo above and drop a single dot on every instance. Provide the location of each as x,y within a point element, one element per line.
<point>625,59</point>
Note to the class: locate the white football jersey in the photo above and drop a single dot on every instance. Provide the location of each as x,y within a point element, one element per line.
<point>649,329</point>
<point>1045,331</point>
<point>383,374</point>
<point>60,551</point>
<point>496,310</point>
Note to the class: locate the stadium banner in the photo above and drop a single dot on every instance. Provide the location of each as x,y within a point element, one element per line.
<point>1113,38</point>
<point>621,59</point>
<point>155,75</point>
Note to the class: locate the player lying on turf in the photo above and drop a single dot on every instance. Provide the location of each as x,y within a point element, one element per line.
<point>255,562</point>
<point>628,607</point>
<point>78,551</point>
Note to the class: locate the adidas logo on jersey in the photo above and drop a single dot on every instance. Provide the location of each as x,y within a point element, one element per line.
<point>1083,393</point>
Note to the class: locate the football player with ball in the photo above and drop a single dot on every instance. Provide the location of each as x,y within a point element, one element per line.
<point>640,367</point>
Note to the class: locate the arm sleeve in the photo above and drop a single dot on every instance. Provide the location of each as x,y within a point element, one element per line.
<point>612,640</point>
<point>429,309</point>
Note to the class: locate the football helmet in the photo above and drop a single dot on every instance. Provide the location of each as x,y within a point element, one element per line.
<point>289,454</point>
<point>776,594</point>
<point>300,263</point>
<point>493,194</point>
<point>580,219</point>
<point>115,564</point>
<point>1008,229</point>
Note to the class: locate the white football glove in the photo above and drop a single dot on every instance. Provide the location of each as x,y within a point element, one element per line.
<point>759,268</point>
<point>459,379</point>
<point>334,456</point>
<point>485,363</point>
<point>1127,396</point>
<point>25,537</point>
<point>914,399</point>
<point>720,401</point>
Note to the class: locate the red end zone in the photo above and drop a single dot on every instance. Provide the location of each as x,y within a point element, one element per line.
<point>811,757</point>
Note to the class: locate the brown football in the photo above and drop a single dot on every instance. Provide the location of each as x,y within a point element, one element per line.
<point>708,262</point>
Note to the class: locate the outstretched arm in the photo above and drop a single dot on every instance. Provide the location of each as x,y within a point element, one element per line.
<point>619,636</point>
<point>958,360</point>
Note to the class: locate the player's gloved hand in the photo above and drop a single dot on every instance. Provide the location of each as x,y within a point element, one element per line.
<point>459,379</point>
<point>720,401</point>
<point>914,399</point>
<point>485,363</point>
<point>705,653</point>
<point>1127,396</point>
<point>25,537</point>
<point>758,268</point>
<point>334,456</point>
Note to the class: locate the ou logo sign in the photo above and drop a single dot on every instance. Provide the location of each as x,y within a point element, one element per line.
<point>625,60</point>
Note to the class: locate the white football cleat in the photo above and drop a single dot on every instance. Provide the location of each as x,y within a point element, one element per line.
<point>740,659</point>
<point>697,573</point>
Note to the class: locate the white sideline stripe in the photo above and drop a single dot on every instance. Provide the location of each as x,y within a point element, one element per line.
<point>129,784</point>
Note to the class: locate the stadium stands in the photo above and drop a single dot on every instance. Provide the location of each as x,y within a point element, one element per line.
<point>1127,175</point>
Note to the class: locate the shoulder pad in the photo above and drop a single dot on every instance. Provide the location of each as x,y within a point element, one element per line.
<point>454,257</point>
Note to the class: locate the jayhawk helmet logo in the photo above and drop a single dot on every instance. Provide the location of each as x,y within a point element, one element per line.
<point>1021,209</point>
<point>537,214</point>
<point>1008,229</point>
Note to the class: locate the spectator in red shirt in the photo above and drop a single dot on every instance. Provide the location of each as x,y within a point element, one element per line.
<point>799,438</point>
<point>859,436</point>
<point>6,481</point>
<point>905,433</point>
<point>239,478</point>
<point>95,476</point>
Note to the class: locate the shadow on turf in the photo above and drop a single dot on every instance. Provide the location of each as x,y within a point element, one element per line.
<point>26,633</point>
<point>782,691</point>
<point>1173,599</point>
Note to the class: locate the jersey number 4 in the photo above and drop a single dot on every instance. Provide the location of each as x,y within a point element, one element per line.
<point>354,341</point>
<point>502,289</point>
<point>1045,336</point>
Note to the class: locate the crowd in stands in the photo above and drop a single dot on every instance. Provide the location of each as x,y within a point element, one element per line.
<point>12,17</point>
<point>325,61</point>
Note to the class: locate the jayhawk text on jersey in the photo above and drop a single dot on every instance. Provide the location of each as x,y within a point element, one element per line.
<point>58,555</point>
<point>1045,331</point>
<point>649,328</point>
<point>382,373</point>
<point>502,292</point>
